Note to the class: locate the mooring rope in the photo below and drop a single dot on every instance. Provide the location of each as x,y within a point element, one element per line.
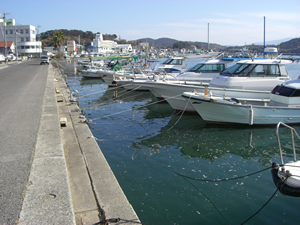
<point>216,180</point>
<point>180,115</point>
<point>138,107</point>
<point>260,207</point>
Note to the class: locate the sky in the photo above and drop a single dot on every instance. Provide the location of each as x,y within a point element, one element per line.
<point>224,22</point>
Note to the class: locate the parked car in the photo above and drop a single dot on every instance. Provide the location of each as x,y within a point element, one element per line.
<point>11,57</point>
<point>44,59</point>
<point>2,58</point>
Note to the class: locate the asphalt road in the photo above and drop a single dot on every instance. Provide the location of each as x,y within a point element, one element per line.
<point>22,87</point>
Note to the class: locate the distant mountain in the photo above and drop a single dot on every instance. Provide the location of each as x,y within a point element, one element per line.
<point>275,42</point>
<point>168,43</point>
<point>161,42</point>
<point>291,46</point>
<point>287,45</point>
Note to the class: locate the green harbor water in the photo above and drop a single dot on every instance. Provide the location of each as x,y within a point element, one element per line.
<point>157,155</point>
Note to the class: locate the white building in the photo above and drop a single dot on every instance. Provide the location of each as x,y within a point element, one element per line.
<point>124,48</point>
<point>71,47</point>
<point>24,37</point>
<point>101,46</point>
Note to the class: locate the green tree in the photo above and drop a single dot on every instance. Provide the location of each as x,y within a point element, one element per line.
<point>58,39</point>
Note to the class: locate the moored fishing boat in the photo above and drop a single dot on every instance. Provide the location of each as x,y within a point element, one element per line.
<point>169,68</point>
<point>283,106</point>
<point>172,65</point>
<point>90,72</point>
<point>251,79</point>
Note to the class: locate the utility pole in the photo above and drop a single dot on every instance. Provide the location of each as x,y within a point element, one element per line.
<point>38,30</point>
<point>5,46</point>
<point>16,43</point>
<point>208,37</point>
<point>78,50</point>
<point>264,36</point>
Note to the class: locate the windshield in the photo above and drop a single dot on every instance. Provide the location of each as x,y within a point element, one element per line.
<point>252,70</point>
<point>173,62</point>
<point>207,68</point>
<point>286,91</point>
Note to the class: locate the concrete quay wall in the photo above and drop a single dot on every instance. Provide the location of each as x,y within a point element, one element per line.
<point>70,181</point>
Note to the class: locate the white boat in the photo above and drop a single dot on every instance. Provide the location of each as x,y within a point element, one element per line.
<point>172,65</point>
<point>286,176</point>
<point>112,78</point>
<point>246,79</point>
<point>90,72</point>
<point>170,68</point>
<point>283,106</point>
<point>83,62</point>
<point>124,70</point>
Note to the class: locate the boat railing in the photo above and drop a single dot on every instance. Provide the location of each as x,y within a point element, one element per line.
<point>293,131</point>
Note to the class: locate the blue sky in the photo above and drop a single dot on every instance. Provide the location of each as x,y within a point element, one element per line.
<point>231,22</point>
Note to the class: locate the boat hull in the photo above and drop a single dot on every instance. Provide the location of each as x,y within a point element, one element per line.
<point>90,75</point>
<point>224,113</point>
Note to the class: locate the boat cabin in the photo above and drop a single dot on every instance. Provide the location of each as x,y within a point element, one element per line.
<point>257,74</point>
<point>210,66</point>
<point>286,94</point>
<point>263,67</point>
<point>173,65</point>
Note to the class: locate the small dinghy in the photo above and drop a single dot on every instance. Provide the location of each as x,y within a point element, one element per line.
<point>287,176</point>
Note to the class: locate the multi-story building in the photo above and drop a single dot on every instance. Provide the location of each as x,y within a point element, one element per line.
<point>24,37</point>
<point>107,46</point>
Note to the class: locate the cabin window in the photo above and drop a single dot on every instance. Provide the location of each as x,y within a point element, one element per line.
<point>208,68</point>
<point>296,93</point>
<point>265,70</point>
<point>243,70</point>
<point>176,62</point>
<point>235,69</point>
<point>285,91</point>
<point>173,62</point>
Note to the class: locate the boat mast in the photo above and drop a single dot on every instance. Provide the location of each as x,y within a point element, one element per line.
<point>264,36</point>
<point>208,37</point>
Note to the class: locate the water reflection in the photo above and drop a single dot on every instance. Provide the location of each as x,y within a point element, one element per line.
<point>195,140</point>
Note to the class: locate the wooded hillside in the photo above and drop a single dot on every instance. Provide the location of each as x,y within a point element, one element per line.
<point>86,37</point>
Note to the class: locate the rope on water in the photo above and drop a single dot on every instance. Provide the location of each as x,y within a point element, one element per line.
<point>216,180</point>
<point>180,115</point>
<point>138,107</point>
<point>110,100</point>
<point>260,208</point>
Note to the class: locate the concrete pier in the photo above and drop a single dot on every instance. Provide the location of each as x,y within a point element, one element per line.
<point>96,193</point>
<point>70,181</point>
